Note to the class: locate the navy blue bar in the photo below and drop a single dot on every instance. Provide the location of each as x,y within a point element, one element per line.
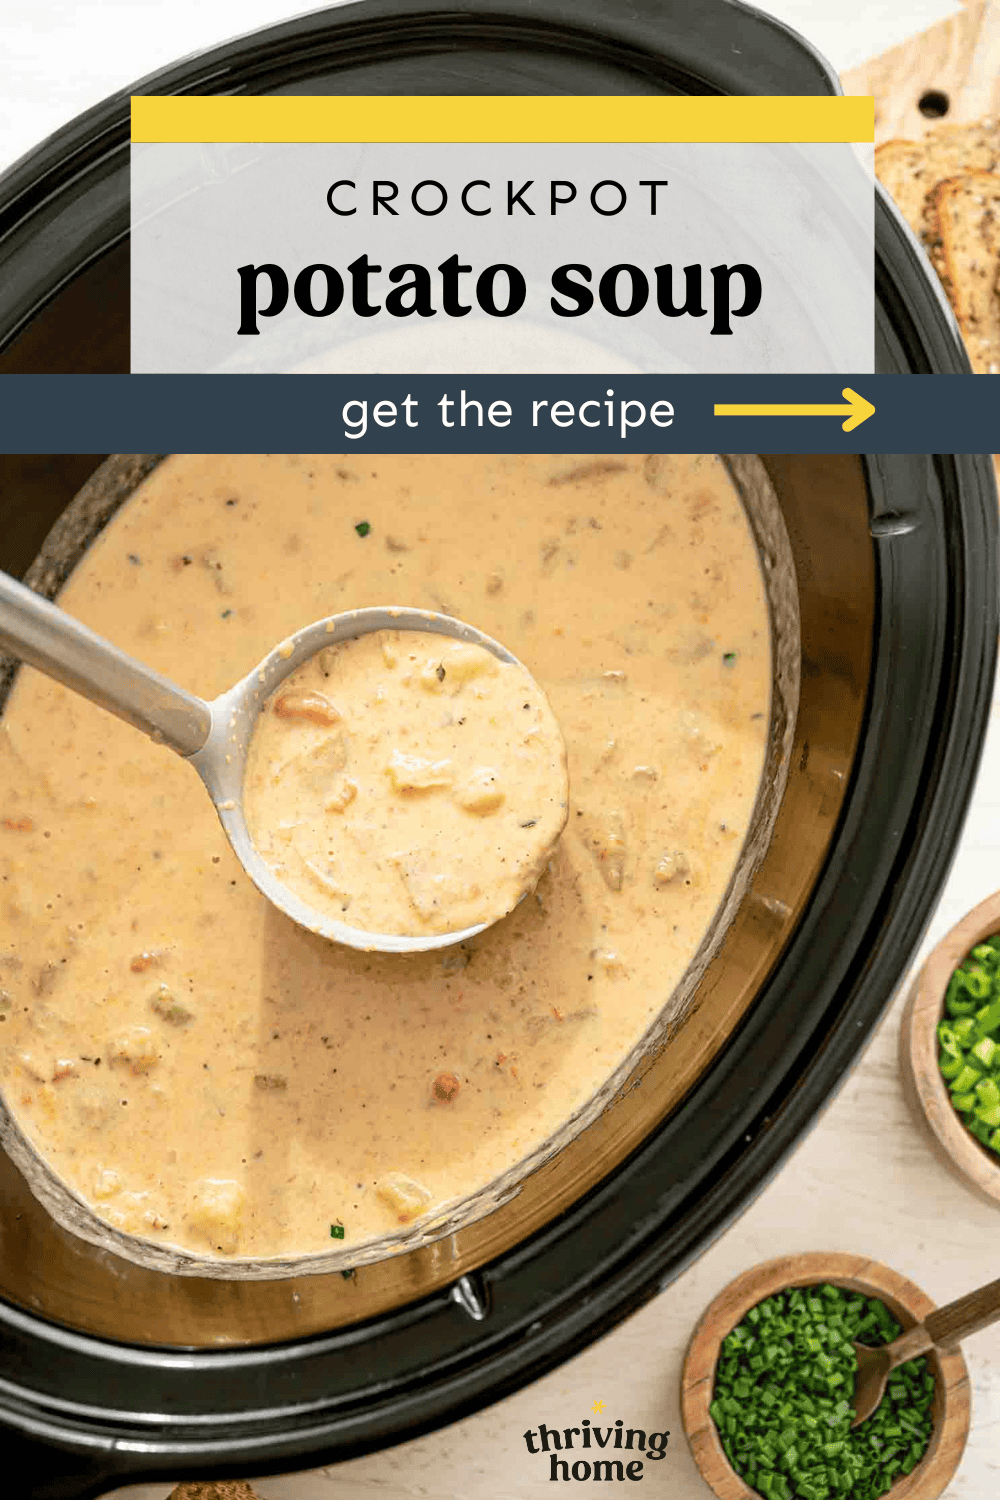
<point>295,413</point>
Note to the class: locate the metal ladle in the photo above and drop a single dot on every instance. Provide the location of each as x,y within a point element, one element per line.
<point>213,737</point>
<point>944,1328</point>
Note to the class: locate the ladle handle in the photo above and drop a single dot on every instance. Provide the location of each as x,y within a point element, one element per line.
<point>45,637</point>
<point>978,1309</point>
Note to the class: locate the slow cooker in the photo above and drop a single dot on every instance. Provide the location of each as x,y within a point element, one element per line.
<point>114,1372</point>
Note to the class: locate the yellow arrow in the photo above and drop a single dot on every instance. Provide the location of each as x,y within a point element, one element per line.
<point>857,410</point>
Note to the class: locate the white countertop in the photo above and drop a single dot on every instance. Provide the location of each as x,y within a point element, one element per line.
<point>863,1181</point>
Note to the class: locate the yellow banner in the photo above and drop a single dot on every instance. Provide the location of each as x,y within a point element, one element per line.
<point>284,118</point>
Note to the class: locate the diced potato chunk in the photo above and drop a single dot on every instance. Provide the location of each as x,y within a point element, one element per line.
<point>312,707</point>
<point>610,960</point>
<point>315,769</point>
<point>462,663</point>
<point>480,791</point>
<point>91,1106</point>
<point>329,878</point>
<point>36,1066</point>
<point>423,887</point>
<point>604,836</point>
<point>216,1212</point>
<point>671,866</point>
<point>341,794</point>
<point>696,732</point>
<point>415,773</point>
<point>130,1212</point>
<point>432,676</point>
<point>390,649</point>
<point>168,1007</point>
<point>134,1048</point>
<point>430,890</point>
<point>405,1197</point>
<point>47,978</point>
<point>107,1182</point>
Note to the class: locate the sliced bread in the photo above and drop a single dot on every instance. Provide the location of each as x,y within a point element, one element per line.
<point>967,208</point>
<point>218,1489</point>
<point>910,170</point>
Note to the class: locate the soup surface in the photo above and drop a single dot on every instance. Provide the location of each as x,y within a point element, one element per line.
<point>206,1074</point>
<point>405,783</point>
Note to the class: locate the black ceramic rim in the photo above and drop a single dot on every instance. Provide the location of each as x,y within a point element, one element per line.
<point>332,1397</point>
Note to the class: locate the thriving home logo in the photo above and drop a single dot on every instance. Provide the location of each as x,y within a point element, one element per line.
<point>556,1441</point>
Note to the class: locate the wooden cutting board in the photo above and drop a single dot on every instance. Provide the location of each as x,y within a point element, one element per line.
<point>958,59</point>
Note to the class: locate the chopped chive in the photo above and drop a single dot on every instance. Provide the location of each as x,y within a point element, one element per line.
<point>780,1399</point>
<point>363,528</point>
<point>968,1038</point>
<point>337,1231</point>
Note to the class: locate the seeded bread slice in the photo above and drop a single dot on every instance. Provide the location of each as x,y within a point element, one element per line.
<point>910,170</point>
<point>967,207</point>
<point>219,1489</point>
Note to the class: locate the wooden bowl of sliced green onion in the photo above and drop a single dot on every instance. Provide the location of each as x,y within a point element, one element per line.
<point>768,1379</point>
<point>950,1049</point>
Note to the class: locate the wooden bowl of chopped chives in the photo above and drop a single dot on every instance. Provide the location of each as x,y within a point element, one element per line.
<point>928,1005</point>
<point>792,1316</point>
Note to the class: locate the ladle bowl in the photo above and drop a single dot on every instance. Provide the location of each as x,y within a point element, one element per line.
<point>214,736</point>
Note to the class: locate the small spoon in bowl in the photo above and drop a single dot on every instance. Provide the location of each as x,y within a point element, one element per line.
<point>214,736</point>
<point>944,1328</point>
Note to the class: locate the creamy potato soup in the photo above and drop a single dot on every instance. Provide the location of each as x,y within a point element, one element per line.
<point>206,1074</point>
<point>406,783</point>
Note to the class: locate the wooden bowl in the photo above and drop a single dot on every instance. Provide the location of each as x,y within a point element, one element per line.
<point>925,1089</point>
<point>855,1273</point>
